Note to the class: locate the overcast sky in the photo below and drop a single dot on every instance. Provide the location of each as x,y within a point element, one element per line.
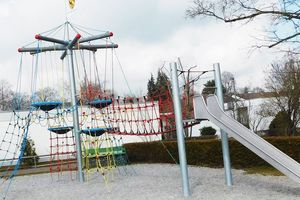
<point>148,33</point>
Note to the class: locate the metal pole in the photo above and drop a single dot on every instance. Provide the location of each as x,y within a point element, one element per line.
<point>58,47</point>
<point>224,137</point>
<point>54,40</point>
<point>75,115</point>
<point>96,37</point>
<point>179,130</point>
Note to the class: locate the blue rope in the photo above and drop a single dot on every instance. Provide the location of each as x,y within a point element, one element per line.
<point>24,144</point>
<point>25,130</point>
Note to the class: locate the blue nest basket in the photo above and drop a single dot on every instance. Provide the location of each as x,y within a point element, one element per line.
<point>46,105</point>
<point>61,130</point>
<point>95,131</point>
<point>100,103</point>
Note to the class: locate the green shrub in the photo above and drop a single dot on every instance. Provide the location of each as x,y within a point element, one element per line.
<point>279,125</point>
<point>208,130</point>
<point>209,152</point>
<point>30,152</point>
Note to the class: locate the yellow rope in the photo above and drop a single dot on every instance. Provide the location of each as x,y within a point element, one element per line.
<point>92,150</point>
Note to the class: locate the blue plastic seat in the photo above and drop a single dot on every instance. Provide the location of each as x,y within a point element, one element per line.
<point>61,130</point>
<point>95,131</point>
<point>100,103</point>
<point>46,105</point>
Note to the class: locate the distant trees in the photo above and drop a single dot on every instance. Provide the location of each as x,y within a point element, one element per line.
<point>151,87</point>
<point>245,90</point>
<point>11,100</point>
<point>162,81</point>
<point>209,87</point>
<point>20,101</point>
<point>282,26</point>
<point>258,90</point>
<point>157,87</point>
<point>283,80</point>
<point>228,82</point>
<point>47,94</point>
<point>6,95</point>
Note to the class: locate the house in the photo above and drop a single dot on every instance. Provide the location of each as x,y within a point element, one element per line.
<point>249,110</point>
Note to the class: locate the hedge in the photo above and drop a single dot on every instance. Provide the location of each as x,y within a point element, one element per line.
<point>208,152</point>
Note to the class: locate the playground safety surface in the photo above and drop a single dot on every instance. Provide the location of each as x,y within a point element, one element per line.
<point>155,181</point>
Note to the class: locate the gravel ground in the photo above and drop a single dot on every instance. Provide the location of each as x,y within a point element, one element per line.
<point>155,182</point>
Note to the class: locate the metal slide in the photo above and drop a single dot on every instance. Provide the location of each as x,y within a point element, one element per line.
<point>213,112</point>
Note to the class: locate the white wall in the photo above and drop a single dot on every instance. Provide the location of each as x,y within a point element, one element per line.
<point>254,106</point>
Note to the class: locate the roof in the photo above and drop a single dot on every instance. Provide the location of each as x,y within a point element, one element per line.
<point>248,96</point>
<point>228,98</point>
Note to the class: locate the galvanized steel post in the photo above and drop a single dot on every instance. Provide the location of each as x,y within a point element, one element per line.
<point>75,114</point>
<point>179,130</point>
<point>224,136</point>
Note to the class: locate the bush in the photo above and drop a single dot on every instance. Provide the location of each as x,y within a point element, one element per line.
<point>279,125</point>
<point>209,152</point>
<point>208,130</point>
<point>30,151</point>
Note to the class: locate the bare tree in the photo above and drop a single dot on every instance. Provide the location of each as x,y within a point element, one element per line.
<point>21,101</point>
<point>283,79</point>
<point>189,81</point>
<point>6,95</point>
<point>258,90</point>
<point>283,24</point>
<point>228,82</point>
<point>47,94</point>
<point>257,117</point>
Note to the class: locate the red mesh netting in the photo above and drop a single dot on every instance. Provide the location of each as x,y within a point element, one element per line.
<point>62,153</point>
<point>141,116</point>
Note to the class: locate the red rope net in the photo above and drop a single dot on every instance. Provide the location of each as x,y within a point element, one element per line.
<point>62,153</point>
<point>142,116</point>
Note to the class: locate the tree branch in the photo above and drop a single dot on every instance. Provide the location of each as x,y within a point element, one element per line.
<point>284,40</point>
<point>285,14</point>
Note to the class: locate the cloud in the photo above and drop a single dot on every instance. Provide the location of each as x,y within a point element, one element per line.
<point>148,32</point>
<point>200,46</point>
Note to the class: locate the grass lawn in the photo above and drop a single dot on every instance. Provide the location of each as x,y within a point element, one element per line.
<point>265,170</point>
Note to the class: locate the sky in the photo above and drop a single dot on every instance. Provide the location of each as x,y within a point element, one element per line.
<point>149,33</point>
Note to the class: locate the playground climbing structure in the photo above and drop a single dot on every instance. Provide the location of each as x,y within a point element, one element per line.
<point>74,101</point>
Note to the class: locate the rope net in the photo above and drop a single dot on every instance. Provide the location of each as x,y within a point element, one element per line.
<point>12,147</point>
<point>141,116</point>
<point>98,156</point>
<point>62,154</point>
